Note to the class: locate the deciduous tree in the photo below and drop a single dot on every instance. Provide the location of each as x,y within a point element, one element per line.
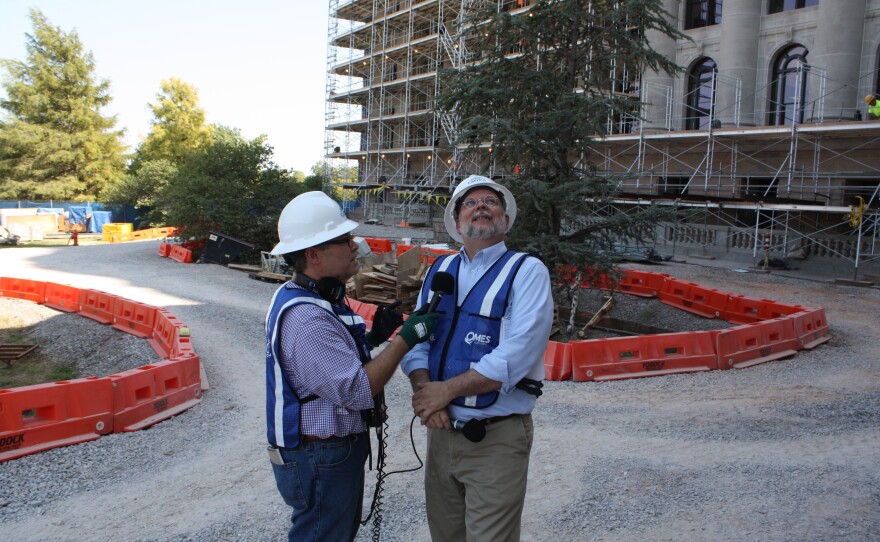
<point>178,129</point>
<point>233,186</point>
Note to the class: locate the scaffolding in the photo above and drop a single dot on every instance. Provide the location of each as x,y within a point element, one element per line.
<point>798,178</point>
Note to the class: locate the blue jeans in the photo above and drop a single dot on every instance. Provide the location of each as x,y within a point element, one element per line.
<point>324,483</point>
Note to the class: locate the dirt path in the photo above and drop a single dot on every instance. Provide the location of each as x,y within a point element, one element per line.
<point>783,451</point>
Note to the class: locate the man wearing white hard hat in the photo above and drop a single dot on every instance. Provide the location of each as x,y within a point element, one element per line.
<point>320,379</point>
<point>476,380</point>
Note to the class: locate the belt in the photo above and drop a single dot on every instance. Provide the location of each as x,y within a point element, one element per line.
<point>312,438</point>
<point>496,419</point>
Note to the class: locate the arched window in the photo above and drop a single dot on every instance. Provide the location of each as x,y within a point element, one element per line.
<point>701,95</point>
<point>785,5</point>
<point>700,13</point>
<point>788,92</point>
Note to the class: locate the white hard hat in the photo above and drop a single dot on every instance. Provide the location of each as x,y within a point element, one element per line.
<point>308,220</point>
<point>476,181</point>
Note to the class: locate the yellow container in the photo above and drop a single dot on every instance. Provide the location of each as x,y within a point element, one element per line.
<point>109,230</point>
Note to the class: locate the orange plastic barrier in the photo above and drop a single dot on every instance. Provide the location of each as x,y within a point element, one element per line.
<point>378,246</point>
<point>43,416</point>
<point>61,297</point>
<point>745,310</point>
<point>691,297</point>
<point>135,318</point>
<point>428,255</point>
<point>641,283</point>
<point>97,305</point>
<point>648,355</point>
<point>557,361</point>
<point>152,393</point>
<point>30,290</point>
<point>181,254</point>
<point>811,327</point>
<point>166,329</point>
<point>401,248</point>
<point>165,249</point>
<point>367,311</point>
<point>758,342</point>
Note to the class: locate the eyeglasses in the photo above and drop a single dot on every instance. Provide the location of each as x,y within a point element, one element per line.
<point>489,201</point>
<point>343,240</point>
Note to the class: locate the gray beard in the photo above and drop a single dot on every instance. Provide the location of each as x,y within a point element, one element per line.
<point>485,232</point>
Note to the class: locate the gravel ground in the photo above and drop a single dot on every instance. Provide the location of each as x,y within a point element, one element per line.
<point>787,450</point>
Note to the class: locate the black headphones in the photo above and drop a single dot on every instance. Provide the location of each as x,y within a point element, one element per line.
<point>329,288</point>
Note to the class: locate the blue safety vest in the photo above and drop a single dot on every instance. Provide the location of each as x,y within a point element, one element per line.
<point>463,335</point>
<point>282,403</point>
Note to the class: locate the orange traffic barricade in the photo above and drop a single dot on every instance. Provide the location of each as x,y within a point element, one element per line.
<point>44,416</point>
<point>135,318</point>
<point>691,297</point>
<point>641,283</point>
<point>759,342</point>
<point>647,355</point>
<point>181,254</point>
<point>811,327</point>
<point>61,297</point>
<point>152,393</point>
<point>557,361</point>
<point>97,305</point>
<point>29,290</point>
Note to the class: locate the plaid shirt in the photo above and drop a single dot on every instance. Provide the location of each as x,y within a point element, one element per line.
<point>319,357</point>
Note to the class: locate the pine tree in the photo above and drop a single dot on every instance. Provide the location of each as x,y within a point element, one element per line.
<point>535,92</point>
<point>55,143</point>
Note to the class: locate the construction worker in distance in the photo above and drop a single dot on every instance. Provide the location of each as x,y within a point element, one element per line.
<point>873,107</point>
<point>322,387</point>
<point>475,382</point>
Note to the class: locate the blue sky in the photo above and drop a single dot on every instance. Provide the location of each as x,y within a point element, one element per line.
<point>259,66</point>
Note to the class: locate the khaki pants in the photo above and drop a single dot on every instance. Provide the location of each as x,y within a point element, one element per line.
<point>475,490</point>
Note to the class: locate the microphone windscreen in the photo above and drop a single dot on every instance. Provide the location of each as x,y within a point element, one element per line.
<point>443,282</point>
<point>474,430</point>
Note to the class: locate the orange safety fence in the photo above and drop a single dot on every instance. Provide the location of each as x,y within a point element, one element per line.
<point>646,355</point>
<point>759,342</point>
<point>44,416</point>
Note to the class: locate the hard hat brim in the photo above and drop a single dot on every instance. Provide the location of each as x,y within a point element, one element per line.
<point>313,240</point>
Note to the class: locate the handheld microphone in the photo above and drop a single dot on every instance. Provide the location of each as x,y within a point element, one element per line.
<point>473,430</point>
<point>442,283</point>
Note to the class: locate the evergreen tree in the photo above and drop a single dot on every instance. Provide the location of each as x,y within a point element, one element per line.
<point>54,141</point>
<point>536,91</point>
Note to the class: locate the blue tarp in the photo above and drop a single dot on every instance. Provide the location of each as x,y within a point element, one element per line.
<point>99,218</point>
<point>79,215</point>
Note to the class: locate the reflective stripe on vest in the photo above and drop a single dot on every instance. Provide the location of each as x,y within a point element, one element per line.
<point>282,403</point>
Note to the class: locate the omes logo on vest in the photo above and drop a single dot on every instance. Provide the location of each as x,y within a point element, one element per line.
<point>473,337</point>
